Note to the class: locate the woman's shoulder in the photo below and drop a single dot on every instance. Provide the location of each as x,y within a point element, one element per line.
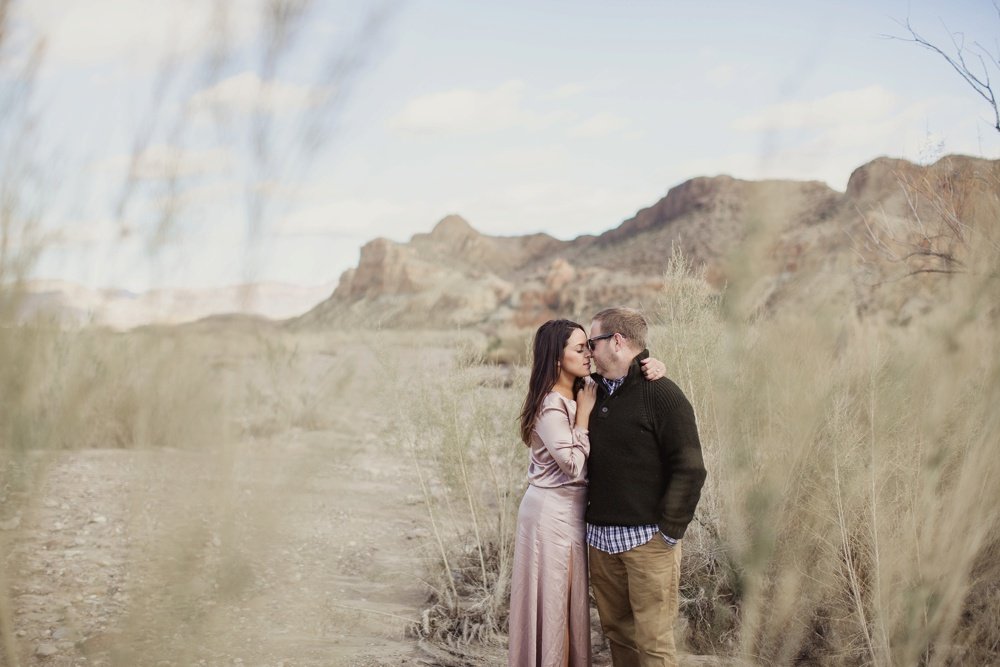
<point>555,399</point>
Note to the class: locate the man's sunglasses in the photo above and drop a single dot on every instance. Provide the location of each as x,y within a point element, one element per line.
<point>592,341</point>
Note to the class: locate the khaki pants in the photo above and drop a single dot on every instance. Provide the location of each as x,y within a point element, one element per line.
<point>636,594</point>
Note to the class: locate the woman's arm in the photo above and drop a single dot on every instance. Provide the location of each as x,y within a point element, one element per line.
<point>568,445</point>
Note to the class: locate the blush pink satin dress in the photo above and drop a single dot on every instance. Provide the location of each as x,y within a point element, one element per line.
<point>549,601</point>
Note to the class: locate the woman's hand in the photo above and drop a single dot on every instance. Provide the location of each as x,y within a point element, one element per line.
<point>653,368</point>
<point>585,400</point>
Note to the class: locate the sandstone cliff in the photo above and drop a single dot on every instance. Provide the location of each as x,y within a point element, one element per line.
<point>778,239</point>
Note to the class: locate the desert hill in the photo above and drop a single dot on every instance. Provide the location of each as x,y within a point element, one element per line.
<point>783,236</point>
<point>75,305</point>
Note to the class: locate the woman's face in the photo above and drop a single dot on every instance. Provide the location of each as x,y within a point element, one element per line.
<point>576,355</point>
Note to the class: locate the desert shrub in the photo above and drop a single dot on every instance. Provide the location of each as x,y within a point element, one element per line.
<point>465,590</point>
<point>507,348</point>
<point>80,388</point>
<point>510,348</point>
<point>687,330</point>
<point>461,433</point>
<point>850,514</point>
<point>65,389</point>
<point>293,387</point>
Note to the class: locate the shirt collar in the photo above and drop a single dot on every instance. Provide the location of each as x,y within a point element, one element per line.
<point>634,369</point>
<point>612,385</point>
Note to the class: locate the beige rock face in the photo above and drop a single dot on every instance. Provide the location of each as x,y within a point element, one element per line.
<point>776,237</point>
<point>561,274</point>
<point>386,268</point>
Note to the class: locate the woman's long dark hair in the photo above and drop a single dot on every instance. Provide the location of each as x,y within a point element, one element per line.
<point>547,351</point>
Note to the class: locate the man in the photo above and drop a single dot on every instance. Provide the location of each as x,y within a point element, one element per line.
<point>646,474</point>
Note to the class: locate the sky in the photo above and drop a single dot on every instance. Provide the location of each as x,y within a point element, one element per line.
<point>198,144</point>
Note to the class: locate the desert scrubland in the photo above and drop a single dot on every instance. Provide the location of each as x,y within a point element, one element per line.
<point>850,515</point>
<point>236,491</point>
<point>341,488</point>
<point>206,496</point>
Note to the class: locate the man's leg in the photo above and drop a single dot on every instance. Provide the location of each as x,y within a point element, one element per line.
<point>610,580</point>
<point>654,582</point>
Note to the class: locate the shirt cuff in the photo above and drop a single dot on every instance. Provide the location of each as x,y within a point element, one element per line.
<point>669,540</point>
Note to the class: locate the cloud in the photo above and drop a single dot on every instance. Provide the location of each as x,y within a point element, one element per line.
<point>535,158</point>
<point>867,104</point>
<point>466,111</point>
<point>564,209</point>
<point>162,162</point>
<point>247,93</point>
<point>470,112</point>
<point>598,125</point>
<point>567,90</point>
<point>829,152</point>
<point>726,75</point>
<point>83,232</point>
<point>343,216</point>
<point>720,75</point>
<point>139,33</point>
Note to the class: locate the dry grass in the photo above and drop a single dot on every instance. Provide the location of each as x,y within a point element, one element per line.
<point>174,425</point>
<point>81,389</point>
<point>850,516</point>
<point>854,474</point>
<point>187,463</point>
<point>462,437</point>
<point>852,510</point>
<point>90,388</point>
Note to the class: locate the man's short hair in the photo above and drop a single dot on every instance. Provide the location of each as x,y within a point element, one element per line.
<point>629,322</point>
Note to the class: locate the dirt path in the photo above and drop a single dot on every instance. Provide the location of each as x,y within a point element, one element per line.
<point>301,542</point>
<point>299,548</point>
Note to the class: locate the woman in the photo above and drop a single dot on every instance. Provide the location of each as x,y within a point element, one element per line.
<point>549,601</point>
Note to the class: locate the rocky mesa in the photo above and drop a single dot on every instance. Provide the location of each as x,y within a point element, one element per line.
<point>783,236</point>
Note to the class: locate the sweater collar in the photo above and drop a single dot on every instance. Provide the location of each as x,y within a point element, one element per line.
<point>634,369</point>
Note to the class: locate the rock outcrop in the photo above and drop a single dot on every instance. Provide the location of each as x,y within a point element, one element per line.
<point>782,237</point>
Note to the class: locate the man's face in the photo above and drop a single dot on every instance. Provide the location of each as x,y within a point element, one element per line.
<point>603,352</point>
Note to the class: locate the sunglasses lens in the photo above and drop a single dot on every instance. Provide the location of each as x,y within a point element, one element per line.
<point>592,342</point>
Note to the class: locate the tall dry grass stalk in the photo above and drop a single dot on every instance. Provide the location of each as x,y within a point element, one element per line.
<point>165,415</point>
<point>852,510</point>
<point>179,423</point>
<point>460,430</point>
<point>65,390</point>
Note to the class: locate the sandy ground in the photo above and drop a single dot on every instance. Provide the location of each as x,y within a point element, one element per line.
<point>300,539</point>
<point>300,547</point>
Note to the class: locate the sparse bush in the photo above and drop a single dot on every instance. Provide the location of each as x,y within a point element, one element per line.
<point>462,435</point>
<point>293,390</point>
<point>481,619</point>
<point>72,389</point>
<point>850,514</point>
<point>508,348</point>
<point>851,511</point>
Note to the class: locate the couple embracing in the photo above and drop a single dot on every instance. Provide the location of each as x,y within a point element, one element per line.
<point>614,477</point>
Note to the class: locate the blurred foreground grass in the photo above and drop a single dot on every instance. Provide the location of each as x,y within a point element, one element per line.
<point>851,514</point>
<point>169,494</point>
<point>852,510</point>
